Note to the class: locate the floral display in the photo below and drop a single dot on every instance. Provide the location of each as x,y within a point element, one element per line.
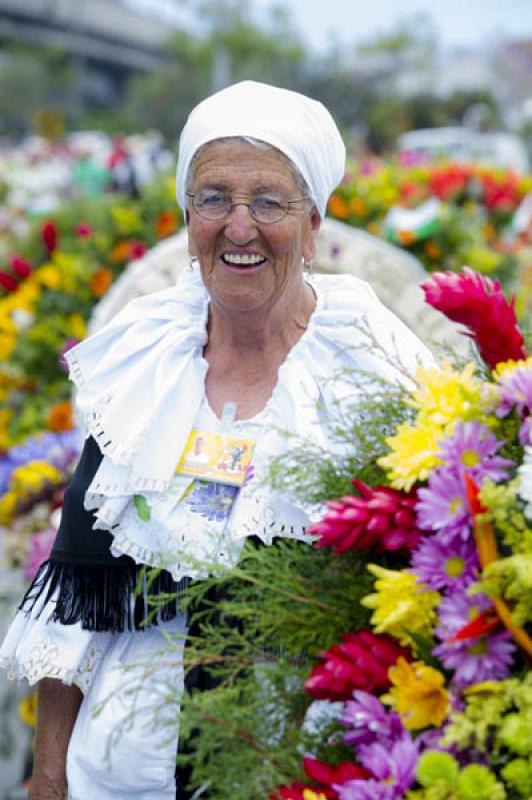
<point>394,654</point>
<point>50,280</point>
<point>440,720</point>
<point>447,215</point>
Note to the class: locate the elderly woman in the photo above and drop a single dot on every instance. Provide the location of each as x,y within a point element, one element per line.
<point>181,394</point>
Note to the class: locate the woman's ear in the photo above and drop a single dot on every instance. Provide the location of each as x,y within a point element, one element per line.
<point>311,245</point>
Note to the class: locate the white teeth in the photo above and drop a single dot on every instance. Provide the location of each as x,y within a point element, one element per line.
<point>244,258</point>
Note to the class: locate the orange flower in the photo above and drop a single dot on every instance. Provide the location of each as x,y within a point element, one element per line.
<point>60,417</point>
<point>120,251</point>
<point>338,207</point>
<point>433,250</point>
<point>101,281</point>
<point>489,232</point>
<point>166,223</point>
<point>358,206</point>
<point>406,238</point>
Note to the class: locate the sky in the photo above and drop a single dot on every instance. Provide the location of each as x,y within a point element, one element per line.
<point>458,22</point>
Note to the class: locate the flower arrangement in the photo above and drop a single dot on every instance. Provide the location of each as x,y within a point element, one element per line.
<point>474,217</point>
<point>463,600</point>
<point>49,284</point>
<point>396,652</point>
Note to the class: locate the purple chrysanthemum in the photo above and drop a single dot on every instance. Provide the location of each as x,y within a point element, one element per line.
<point>443,505</point>
<point>525,431</point>
<point>369,721</point>
<point>472,448</point>
<point>445,564</point>
<point>477,660</point>
<point>393,769</point>
<point>456,610</point>
<point>516,392</point>
<point>471,660</point>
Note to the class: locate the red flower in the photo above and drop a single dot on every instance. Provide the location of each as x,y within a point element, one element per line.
<point>360,662</point>
<point>292,792</point>
<point>381,517</point>
<point>501,192</point>
<point>7,281</point>
<point>137,249</point>
<point>49,236</point>
<point>326,774</point>
<point>83,230</point>
<point>20,267</point>
<point>478,303</point>
<point>448,182</point>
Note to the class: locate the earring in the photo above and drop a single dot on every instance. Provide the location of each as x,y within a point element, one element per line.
<point>192,263</point>
<point>308,266</point>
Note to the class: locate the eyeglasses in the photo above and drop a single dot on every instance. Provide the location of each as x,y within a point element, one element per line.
<point>264,208</point>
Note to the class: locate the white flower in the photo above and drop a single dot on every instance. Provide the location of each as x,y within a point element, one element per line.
<point>525,486</point>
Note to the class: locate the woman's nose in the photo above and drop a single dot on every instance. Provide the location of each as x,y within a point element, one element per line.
<point>240,225</point>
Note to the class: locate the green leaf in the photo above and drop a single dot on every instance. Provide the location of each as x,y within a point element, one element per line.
<point>142,507</point>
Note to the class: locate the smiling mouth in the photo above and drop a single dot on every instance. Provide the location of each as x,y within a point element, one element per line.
<point>243,259</point>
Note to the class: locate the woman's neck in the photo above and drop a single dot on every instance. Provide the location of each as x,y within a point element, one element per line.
<point>259,334</point>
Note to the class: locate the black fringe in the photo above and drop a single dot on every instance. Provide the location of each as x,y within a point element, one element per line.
<point>110,598</point>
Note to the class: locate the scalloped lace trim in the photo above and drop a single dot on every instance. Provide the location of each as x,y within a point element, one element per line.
<point>44,661</point>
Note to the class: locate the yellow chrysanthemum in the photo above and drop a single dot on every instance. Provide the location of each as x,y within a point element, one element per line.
<point>8,505</point>
<point>445,395</point>
<point>413,454</point>
<point>126,220</point>
<point>402,606</point>
<point>418,694</point>
<point>49,276</point>
<point>24,297</point>
<point>27,710</point>
<point>70,269</point>
<point>309,794</point>
<point>8,337</point>
<point>505,368</point>
<point>30,478</point>
<point>76,326</point>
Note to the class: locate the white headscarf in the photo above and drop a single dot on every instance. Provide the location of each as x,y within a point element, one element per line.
<point>299,127</point>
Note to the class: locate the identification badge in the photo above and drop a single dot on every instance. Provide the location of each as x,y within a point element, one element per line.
<point>216,457</point>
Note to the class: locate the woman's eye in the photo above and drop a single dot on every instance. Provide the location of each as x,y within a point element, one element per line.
<point>211,199</point>
<point>266,202</point>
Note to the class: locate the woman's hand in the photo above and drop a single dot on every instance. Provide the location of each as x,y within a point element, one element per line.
<point>57,709</point>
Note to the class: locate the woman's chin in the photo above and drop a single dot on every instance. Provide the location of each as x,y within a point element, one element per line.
<point>241,288</point>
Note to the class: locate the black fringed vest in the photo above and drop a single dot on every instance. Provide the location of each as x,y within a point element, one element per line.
<point>94,587</point>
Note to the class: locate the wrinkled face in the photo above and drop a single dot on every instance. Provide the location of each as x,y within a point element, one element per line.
<point>246,264</point>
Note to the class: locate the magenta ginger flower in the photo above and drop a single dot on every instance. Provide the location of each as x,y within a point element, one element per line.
<point>369,721</point>
<point>443,505</point>
<point>393,770</point>
<point>478,303</point>
<point>484,658</point>
<point>447,564</point>
<point>381,517</point>
<point>472,448</point>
